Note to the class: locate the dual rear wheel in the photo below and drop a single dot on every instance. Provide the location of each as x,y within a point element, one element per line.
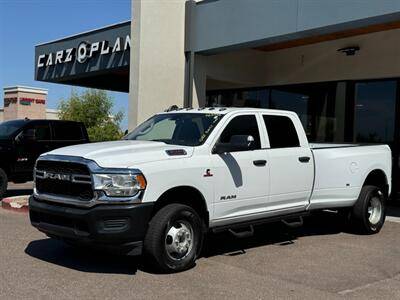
<point>369,213</point>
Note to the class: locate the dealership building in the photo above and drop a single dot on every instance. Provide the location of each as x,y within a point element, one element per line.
<point>336,63</point>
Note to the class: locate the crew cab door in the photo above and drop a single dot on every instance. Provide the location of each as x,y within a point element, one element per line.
<point>240,177</point>
<point>290,161</point>
<point>31,143</point>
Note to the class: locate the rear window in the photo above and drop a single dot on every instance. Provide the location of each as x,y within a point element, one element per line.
<point>281,132</point>
<point>67,132</point>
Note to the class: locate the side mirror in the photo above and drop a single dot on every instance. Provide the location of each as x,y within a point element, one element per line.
<point>237,143</point>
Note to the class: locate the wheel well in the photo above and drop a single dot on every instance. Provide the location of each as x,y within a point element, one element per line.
<point>186,195</point>
<point>377,178</point>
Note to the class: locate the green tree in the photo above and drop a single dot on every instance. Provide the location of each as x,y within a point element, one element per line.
<point>94,109</point>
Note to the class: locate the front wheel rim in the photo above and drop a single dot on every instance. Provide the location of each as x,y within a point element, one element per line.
<point>179,240</point>
<point>374,210</point>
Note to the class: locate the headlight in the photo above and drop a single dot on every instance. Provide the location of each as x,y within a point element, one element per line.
<point>119,185</point>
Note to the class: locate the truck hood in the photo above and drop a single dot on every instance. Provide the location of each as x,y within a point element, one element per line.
<point>123,153</point>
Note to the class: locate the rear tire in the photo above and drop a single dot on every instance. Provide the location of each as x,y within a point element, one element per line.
<point>3,183</point>
<point>174,238</point>
<point>369,212</point>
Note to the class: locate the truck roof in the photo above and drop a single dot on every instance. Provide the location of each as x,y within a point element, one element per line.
<point>225,110</point>
<point>26,121</point>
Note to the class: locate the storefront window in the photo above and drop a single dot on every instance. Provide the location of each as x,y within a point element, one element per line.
<point>322,108</point>
<point>316,106</point>
<point>332,112</point>
<point>329,107</point>
<point>239,98</point>
<point>286,99</point>
<point>374,116</point>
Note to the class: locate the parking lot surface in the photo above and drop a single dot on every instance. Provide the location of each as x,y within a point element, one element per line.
<point>317,260</point>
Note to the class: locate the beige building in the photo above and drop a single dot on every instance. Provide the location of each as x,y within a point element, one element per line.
<point>26,102</point>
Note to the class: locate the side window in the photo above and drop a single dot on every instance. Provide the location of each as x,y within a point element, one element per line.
<point>281,132</point>
<point>67,132</point>
<point>40,131</point>
<point>242,125</point>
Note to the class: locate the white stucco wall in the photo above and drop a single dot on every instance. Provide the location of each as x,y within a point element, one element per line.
<point>52,114</point>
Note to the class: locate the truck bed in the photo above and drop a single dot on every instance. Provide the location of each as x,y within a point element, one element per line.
<point>340,170</point>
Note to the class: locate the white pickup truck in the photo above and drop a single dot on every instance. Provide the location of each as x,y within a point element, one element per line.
<point>186,172</point>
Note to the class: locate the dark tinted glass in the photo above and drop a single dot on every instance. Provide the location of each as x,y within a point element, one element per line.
<point>9,128</point>
<point>67,132</point>
<point>375,106</point>
<point>42,132</point>
<point>281,132</point>
<point>239,98</point>
<point>242,125</point>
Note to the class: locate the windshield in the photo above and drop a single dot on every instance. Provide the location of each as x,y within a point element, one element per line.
<point>187,129</point>
<point>7,129</point>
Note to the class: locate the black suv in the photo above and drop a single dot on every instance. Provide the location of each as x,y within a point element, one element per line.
<point>22,141</point>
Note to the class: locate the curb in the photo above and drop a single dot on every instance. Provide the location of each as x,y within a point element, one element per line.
<point>17,204</point>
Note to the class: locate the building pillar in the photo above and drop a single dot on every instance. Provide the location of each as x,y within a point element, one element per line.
<point>199,81</point>
<point>157,67</point>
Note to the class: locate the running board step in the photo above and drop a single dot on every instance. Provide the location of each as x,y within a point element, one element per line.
<point>293,222</point>
<point>242,234</point>
<point>240,225</point>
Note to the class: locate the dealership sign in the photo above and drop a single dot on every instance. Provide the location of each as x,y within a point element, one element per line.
<point>84,51</point>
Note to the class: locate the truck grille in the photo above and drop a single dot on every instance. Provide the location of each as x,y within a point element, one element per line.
<point>66,179</point>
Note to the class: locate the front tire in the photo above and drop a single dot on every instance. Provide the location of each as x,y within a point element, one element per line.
<point>174,238</point>
<point>369,212</point>
<point>3,183</point>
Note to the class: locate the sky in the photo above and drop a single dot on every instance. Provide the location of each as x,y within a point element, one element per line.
<point>26,23</point>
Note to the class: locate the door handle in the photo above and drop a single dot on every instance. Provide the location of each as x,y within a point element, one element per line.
<point>304,159</point>
<point>259,163</point>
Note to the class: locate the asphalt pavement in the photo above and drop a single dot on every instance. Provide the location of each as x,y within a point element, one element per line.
<point>319,260</point>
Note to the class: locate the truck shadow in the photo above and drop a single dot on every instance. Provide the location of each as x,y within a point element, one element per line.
<point>393,210</point>
<point>81,259</point>
<point>322,223</point>
<point>18,192</point>
<point>86,260</point>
